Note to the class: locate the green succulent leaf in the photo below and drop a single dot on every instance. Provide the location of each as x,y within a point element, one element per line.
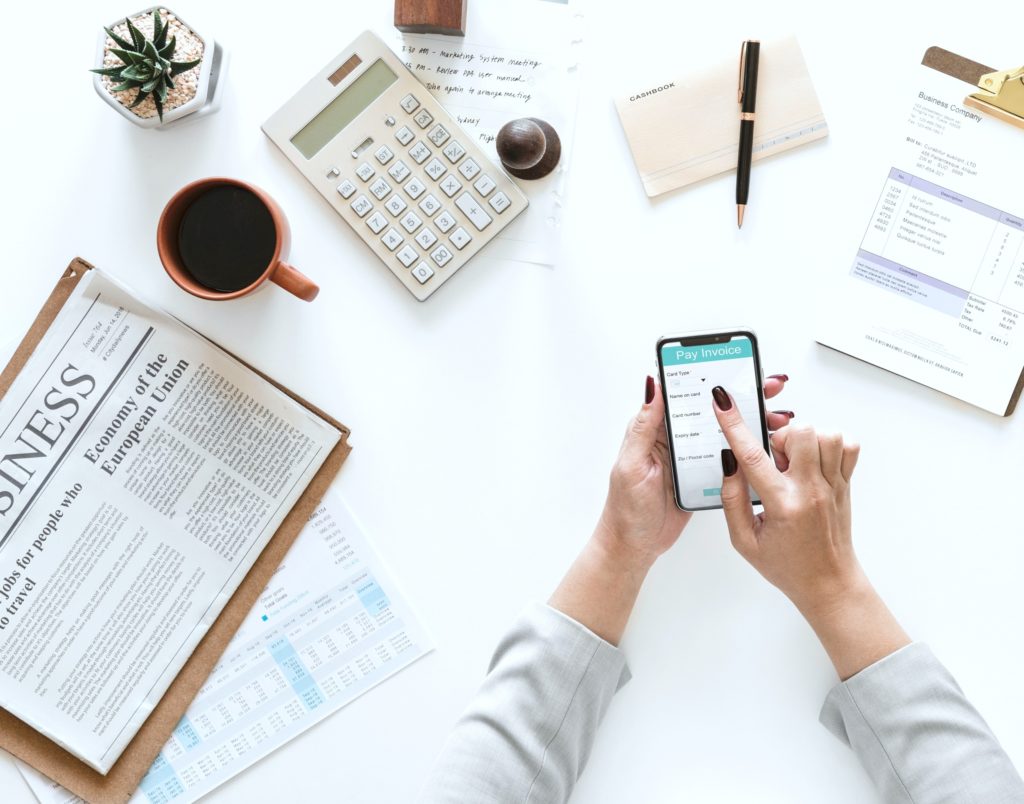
<point>122,43</point>
<point>168,81</point>
<point>178,67</point>
<point>150,52</point>
<point>159,30</point>
<point>168,50</point>
<point>140,73</point>
<point>149,86</point>
<point>159,107</point>
<point>124,86</point>
<point>114,72</point>
<point>138,39</point>
<point>161,92</point>
<point>127,56</point>
<point>140,97</point>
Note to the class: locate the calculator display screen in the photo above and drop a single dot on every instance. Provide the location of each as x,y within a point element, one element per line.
<point>344,109</point>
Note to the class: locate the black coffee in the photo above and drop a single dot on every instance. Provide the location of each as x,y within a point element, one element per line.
<point>226,239</point>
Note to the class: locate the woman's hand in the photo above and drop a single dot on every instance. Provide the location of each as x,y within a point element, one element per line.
<point>640,521</point>
<point>640,518</point>
<point>802,542</point>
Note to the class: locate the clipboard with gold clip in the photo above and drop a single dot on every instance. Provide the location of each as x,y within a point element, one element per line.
<point>1001,95</point>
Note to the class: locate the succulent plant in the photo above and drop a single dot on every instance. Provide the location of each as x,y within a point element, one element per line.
<point>147,64</point>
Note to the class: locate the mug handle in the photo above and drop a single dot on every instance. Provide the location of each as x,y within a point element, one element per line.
<point>295,282</point>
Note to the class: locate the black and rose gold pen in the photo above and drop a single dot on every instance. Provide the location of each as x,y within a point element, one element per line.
<point>750,52</point>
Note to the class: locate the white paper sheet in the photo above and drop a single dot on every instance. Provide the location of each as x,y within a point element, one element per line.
<point>517,60</point>
<point>936,289</point>
<point>331,625</point>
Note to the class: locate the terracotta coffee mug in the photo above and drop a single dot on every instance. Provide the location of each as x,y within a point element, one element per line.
<point>277,271</point>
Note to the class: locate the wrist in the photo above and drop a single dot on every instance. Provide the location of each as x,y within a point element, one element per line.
<point>614,548</point>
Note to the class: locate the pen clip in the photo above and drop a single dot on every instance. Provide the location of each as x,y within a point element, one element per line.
<point>743,67</point>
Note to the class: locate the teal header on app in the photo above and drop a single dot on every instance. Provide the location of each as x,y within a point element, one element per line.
<point>675,354</point>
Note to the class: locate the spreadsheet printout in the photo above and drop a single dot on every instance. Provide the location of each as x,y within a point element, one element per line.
<point>935,291</point>
<point>330,626</point>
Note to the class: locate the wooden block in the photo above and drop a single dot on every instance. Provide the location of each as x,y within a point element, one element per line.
<point>431,16</point>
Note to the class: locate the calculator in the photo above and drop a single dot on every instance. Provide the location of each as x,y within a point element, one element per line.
<point>395,165</point>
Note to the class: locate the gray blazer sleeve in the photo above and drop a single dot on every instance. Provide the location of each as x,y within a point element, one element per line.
<point>527,734</point>
<point>918,737</point>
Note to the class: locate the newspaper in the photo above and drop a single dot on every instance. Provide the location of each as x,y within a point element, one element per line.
<point>142,471</point>
<point>331,625</point>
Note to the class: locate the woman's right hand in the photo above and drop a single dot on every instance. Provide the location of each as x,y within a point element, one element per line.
<point>802,542</point>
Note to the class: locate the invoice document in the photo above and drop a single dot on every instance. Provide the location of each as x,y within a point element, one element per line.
<point>935,291</point>
<point>330,626</point>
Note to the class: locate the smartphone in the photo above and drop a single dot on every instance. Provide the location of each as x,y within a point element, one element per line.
<point>690,366</point>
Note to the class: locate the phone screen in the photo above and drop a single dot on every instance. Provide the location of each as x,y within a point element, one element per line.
<point>690,369</point>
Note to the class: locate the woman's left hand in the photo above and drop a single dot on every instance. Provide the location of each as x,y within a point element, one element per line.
<point>640,520</point>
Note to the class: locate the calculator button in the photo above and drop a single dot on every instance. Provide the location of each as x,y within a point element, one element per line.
<point>380,188</point>
<point>419,152</point>
<point>361,206</point>
<point>460,238</point>
<point>426,238</point>
<point>365,171</point>
<point>451,186</point>
<point>441,255</point>
<point>423,272</point>
<point>484,185</point>
<point>473,210</point>
<point>346,188</point>
<point>399,171</point>
<point>407,255</point>
<point>404,135</point>
<point>469,168</point>
<point>410,221</point>
<point>444,221</point>
<point>410,104</point>
<point>377,222</point>
<point>424,118</point>
<point>384,154</point>
<point>454,151</point>
<point>435,168</point>
<point>392,239</point>
<point>430,205</point>
<point>395,205</point>
<point>415,188</point>
<point>499,203</point>
<point>438,134</point>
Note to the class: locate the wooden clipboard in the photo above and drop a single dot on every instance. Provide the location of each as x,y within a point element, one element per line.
<point>121,782</point>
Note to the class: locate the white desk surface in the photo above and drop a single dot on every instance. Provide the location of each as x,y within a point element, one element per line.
<point>485,420</point>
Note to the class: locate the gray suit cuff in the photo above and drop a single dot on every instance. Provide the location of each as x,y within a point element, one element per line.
<point>918,736</point>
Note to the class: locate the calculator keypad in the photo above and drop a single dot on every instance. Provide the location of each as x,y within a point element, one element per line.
<point>377,222</point>
<point>380,188</point>
<point>426,238</point>
<point>454,151</point>
<point>361,206</point>
<point>420,153</point>
<point>415,188</point>
<point>399,171</point>
<point>430,205</point>
<point>438,135</point>
<point>435,168</point>
<point>410,207</point>
<point>395,205</point>
<point>392,239</point>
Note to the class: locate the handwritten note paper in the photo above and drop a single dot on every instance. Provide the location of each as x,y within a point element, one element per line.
<point>517,60</point>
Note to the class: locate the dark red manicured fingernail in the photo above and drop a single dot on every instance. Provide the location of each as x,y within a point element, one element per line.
<point>783,377</point>
<point>721,398</point>
<point>788,413</point>
<point>649,390</point>
<point>728,463</point>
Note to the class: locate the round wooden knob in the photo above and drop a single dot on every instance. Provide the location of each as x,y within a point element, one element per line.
<point>529,148</point>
